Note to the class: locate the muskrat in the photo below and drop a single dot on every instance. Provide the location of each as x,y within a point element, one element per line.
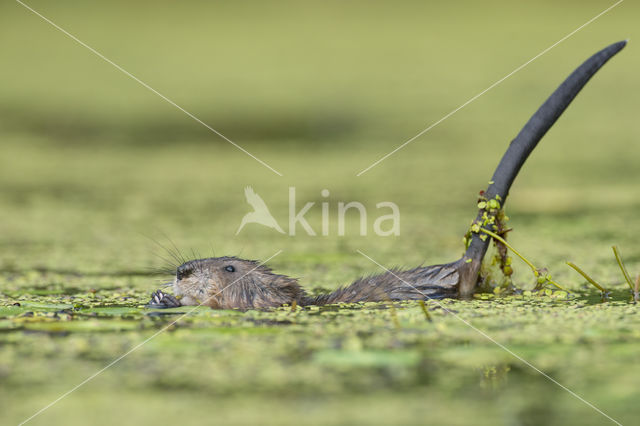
<point>234,283</point>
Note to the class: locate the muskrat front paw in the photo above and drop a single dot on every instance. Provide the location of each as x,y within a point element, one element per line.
<point>159,299</point>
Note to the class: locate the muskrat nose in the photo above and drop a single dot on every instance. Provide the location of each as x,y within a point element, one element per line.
<point>183,271</point>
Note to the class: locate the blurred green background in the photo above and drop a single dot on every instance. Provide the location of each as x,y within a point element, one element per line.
<point>94,168</point>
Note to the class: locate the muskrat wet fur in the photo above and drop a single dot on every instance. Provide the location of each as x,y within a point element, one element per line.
<point>233,283</point>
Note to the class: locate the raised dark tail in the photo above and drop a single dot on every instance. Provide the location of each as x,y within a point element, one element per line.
<point>519,151</point>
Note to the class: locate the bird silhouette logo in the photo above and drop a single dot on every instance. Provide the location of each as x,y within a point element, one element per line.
<point>260,213</point>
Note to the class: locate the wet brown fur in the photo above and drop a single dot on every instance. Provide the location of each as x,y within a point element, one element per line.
<point>254,286</point>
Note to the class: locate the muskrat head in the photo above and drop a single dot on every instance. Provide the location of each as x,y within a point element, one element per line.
<point>230,282</point>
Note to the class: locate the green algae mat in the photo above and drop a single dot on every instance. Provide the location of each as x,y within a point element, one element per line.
<point>101,181</point>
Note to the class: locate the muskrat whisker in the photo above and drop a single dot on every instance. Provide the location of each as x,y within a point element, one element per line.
<point>161,270</point>
<point>172,266</point>
<point>174,252</point>
<point>195,253</point>
<point>162,275</point>
<point>179,253</point>
<point>178,259</point>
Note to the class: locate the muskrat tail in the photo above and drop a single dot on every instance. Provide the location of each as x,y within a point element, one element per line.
<point>518,152</point>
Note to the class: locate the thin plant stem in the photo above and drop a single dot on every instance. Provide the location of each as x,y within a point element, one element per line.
<point>393,312</point>
<point>531,265</point>
<point>587,277</point>
<point>622,267</point>
<point>426,311</point>
<point>503,241</point>
<point>556,285</point>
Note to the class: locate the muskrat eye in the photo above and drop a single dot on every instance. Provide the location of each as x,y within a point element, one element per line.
<point>229,268</point>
